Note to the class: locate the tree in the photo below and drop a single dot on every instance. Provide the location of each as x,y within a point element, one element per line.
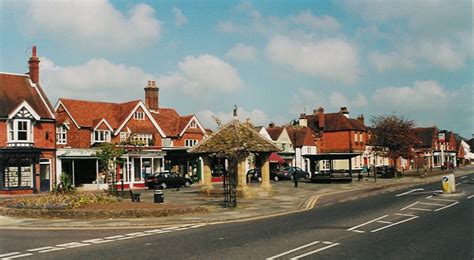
<point>108,155</point>
<point>392,136</point>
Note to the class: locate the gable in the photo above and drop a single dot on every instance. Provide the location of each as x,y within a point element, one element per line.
<point>140,107</point>
<point>25,111</point>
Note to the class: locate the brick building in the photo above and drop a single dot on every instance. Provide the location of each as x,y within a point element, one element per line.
<point>27,133</point>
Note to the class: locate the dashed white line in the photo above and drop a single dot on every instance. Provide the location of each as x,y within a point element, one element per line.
<point>46,249</point>
<point>368,222</point>
<point>406,215</point>
<point>73,245</point>
<point>292,250</point>
<point>17,256</point>
<point>463,177</point>
<point>408,192</point>
<point>445,207</point>
<point>314,251</point>
<point>9,254</point>
<point>391,225</point>
<point>470,197</point>
<point>420,209</point>
<point>443,200</point>
<point>432,204</point>
<point>384,222</point>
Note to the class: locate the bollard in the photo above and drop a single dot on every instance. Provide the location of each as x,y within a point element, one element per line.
<point>158,196</point>
<point>448,183</point>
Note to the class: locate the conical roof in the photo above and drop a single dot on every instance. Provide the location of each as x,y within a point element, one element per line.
<point>235,138</point>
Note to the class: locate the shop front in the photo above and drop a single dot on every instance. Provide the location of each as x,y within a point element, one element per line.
<point>136,166</point>
<point>25,170</point>
<point>82,167</point>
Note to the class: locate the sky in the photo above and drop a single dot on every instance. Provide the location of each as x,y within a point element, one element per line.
<point>273,59</point>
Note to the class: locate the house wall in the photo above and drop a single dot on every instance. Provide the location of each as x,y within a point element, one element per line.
<point>342,141</point>
<point>189,134</point>
<point>144,126</point>
<point>3,133</point>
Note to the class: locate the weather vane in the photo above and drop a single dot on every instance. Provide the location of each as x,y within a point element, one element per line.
<point>235,110</point>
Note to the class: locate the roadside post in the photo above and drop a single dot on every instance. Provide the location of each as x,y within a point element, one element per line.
<point>448,183</point>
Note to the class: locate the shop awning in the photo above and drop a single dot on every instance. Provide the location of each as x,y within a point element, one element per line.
<point>275,158</point>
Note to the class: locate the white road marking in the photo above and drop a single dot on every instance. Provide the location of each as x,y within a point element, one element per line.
<point>17,256</point>
<point>9,254</point>
<point>114,237</point>
<point>445,207</point>
<point>459,184</point>
<point>315,251</point>
<point>292,250</point>
<point>368,222</point>
<point>463,177</point>
<point>408,192</point>
<point>384,222</point>
<point>396,223</point>
<point>472,196</point>
<point>46,249</point>
<point>432,204</point>
<point>73,245</point>
<point>413,204</point>
<point>444,200</point>
<point>420,209</point>
<point>406,215</point>
<point>358,231</point>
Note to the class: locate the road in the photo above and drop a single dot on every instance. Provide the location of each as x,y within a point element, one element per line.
<point>405,224</point>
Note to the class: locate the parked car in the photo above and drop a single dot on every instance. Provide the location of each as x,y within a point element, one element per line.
<point>254,175</point>
<point>289,173</point>
<point>387,171</point>
<point>167,179</point>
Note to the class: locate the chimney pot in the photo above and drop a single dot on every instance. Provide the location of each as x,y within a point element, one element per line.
<point>152,96</point>
<point>271,125</point>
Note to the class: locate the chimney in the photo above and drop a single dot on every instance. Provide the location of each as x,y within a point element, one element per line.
<point>151,96</point>
<point>321,118</point>
<point>271,125</point>
<point>361,119</point>
<point>344,111</point>
<point>34,66</point>
<point>303,121</point>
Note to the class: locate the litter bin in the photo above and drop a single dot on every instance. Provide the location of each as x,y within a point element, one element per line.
<point>158,196</point>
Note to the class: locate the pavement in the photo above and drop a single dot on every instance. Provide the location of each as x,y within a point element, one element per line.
<point>285,199</point>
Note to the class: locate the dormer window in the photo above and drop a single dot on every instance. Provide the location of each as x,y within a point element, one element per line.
<point>20,131</point>
<point>190,142</point>
<point>61,134</point>
<point>193,124</point>
<point>139,115</point>
<point>101,136</point>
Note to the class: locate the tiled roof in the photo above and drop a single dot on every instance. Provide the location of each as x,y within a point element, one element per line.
<point>335,122</point>
<point>89,113</point>
<point>274,132</point>
<point>425,136</point>
<point>235,137</point>
<point>302,135</point>
<point>16,88</point>
<point>170,121</point>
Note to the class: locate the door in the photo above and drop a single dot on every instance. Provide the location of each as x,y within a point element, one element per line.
<point>45,173</point>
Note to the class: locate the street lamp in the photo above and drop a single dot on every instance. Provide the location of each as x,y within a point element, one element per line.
<point>295,174</point>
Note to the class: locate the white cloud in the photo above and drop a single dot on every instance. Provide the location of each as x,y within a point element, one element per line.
<point>180,19</point>
<point>203,73</point>
<point>423,96</point>
<point>93,24</point>
<point>95,80</point>
<point>241,52</point>
<point>324,23</point>
<point>228,27</point>
<point>331,59</point>
<point>442,54</point>
<point>339,100</point>
<point>305,101</point>
<point>256,117</point>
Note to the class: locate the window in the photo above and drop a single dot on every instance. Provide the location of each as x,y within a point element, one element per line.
<point>145,139</point>
<point>356,137</point>
<point>167,142</point>
<point>139,115</point>
<point>190,142</point>
<point>61,134</point>
<point>124,136</point>
<point>20,130</point>
<point>193,124</point>
<point>101,136</point>
<point>18,173</point>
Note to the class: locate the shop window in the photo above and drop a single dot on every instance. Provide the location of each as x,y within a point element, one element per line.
<point>18,174</point>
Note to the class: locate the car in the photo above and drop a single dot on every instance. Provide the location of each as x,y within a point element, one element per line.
<point>289,173</point>
<point>254,175</point>
<point>387,171</point>
<point>164,180</point>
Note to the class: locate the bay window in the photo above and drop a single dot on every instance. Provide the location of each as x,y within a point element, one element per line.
<point>20,131</point>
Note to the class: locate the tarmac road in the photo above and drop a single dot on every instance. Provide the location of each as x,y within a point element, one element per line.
<point>404,224</point>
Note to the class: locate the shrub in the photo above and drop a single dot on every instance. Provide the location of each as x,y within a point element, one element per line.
<point>61,201</point>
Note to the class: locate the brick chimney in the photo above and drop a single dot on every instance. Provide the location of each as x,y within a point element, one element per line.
<point>361,119</point>
<point>152,96</point>
<point>303,121</point>
<point>344,111</point>
<point>321,118</point>
<point>34,66</point>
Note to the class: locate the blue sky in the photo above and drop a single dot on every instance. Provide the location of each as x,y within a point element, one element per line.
<point>273,59</point>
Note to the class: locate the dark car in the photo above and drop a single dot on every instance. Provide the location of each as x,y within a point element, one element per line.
<point>289,173</point>
<point>167,179</point>
<point>387,171</point>
<point>254,175</point>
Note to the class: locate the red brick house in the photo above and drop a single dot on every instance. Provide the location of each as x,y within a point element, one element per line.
<point>435,147</point>
<point>27,133</point>
<point>143,129</point>
<point>338,133</point>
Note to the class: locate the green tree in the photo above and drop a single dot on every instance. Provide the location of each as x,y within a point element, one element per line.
<point>392,136</point>
<point>108,155</point>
